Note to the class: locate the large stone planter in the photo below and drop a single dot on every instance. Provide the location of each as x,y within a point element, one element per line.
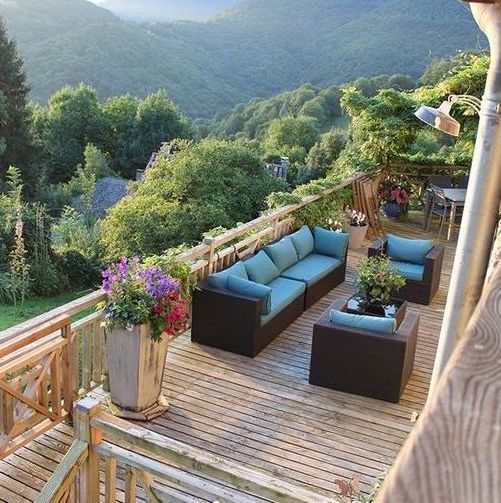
<point>135,369</point>
<point>357,236</point>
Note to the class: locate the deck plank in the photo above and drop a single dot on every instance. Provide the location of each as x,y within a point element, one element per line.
<point>263,413</point>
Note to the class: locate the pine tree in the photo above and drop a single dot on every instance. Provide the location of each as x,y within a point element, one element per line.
<point>15,117</point>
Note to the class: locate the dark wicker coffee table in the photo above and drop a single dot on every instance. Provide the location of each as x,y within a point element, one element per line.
<point>395,308</point>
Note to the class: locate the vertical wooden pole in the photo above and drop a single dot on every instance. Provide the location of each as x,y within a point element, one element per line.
<point>110,481</point>
<point>69,369</point>
<point>88,476</point>
<point>209,256</point>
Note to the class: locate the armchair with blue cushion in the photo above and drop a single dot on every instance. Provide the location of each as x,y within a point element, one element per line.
<point>364,355</point>
<point>419,261</point>
<point>243,308</point>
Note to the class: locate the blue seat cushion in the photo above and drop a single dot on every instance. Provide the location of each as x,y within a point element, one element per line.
<point>372,323</point>
<point>251,289</point>
<point>283,254</point>
<point>408,250</point>
<point>261,269</point>
<point>409,270</point>
<point>220,279</point>
<point>303,242</point>
<point>312,268</point>
<point>333,244</point>
<point>283,292</point>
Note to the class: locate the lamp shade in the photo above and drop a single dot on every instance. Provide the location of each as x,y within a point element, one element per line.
<point>439,118</point>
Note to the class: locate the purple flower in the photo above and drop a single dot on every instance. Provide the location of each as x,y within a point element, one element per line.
<point>158,284</point>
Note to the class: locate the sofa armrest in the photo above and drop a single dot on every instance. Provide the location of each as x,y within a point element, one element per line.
<point>379,247</point>
<point>409,325</point>
<point>433,266</point>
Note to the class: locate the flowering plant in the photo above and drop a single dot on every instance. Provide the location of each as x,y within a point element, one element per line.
<point>139,295</point>
<point>377,280</point>
<point>338,221</point>
<point>356,218</point>
<point>395,194</point>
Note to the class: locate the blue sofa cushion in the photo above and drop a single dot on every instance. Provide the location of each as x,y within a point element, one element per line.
<point>261,269</point>
<point>372,323</point>
<point>251,289</point>
<point>303,242</point>
<point>408,270</point>
<point>283,254</point>
<point>312,268</point>
<point>333,244</point>
<point>220,279</point>
<point>283,292</point>
<point>408,250</point>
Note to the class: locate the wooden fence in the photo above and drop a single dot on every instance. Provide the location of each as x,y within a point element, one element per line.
<point>51,360</point>
<point>164,469</point>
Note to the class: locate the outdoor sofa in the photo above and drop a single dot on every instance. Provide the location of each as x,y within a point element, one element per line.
<point>243,308</point>
<point>419,261</point>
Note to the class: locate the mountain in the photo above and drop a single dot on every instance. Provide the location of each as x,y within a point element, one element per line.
<point>256,48</point>
<point>157,11</point>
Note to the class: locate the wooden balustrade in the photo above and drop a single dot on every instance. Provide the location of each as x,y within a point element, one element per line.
<point>48,362</point>
<point>159,466</point>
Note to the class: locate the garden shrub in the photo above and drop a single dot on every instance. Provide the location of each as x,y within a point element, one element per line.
<point>77,270</point>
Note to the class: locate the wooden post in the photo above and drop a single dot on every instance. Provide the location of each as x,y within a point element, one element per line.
<point>69,369</point>
<point>88,476</point>
<point>209,256</point>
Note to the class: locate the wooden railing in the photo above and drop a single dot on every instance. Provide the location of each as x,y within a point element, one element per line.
<point>106,447</point>
<point>51,360</point>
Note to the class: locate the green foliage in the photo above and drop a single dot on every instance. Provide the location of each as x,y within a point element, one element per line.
<point>15,142</point>
<point>377,280</point>
<point>249,51</point>
<point>204,185</point>
<point>325,152</point>
<point>278,199</point>
<point>78,270</point>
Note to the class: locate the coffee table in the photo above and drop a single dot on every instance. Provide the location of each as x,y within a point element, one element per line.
<point>394,308</point>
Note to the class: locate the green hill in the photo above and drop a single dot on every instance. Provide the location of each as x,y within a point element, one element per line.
<point>257,48</point>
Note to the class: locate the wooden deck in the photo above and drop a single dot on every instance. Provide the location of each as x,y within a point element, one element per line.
<point>262,412</point>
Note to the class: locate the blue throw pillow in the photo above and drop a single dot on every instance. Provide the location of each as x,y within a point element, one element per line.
<point>374,323</point>
<point>283,254</point>
<point>251,289</point>
<point>220,279</point>
<point>303,242</point>
<point>333,244</point>
<point>261,269</point>
<point>408,250</point>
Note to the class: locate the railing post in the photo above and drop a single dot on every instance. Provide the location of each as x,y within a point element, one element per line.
<point>209,256</point>
<point>88,476</point>
<point>69,368</point>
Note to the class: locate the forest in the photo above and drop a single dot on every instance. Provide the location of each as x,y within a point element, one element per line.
<point>259,48</point>
<point>54,156</point>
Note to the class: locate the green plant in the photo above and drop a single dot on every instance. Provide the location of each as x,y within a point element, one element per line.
<point>78,270</point>
<point>377,280</point>
<point>279,199</point>
<point>18,264</point>
<point>173,266</point>
<point>137,295</point>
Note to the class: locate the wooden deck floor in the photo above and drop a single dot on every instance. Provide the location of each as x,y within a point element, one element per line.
<point>262,412</point>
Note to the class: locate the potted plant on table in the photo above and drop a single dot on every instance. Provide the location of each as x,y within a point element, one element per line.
<point>357,228</point>
<point>395,200</point>
<point>143,308</point>
<point>377,281</point>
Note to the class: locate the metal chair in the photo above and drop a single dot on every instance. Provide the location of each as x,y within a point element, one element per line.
<point>440,207</point>
<point>463,182</point>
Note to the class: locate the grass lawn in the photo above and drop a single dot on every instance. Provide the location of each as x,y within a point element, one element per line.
<point>10,315</point>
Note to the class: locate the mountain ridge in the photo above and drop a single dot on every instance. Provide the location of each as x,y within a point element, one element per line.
<point>257,48</point>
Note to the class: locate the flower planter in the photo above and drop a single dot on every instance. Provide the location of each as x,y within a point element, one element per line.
<point>135,368</point>
<point>392,210</point>
<point>357,236</point>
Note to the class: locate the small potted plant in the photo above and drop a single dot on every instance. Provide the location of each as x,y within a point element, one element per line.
<point>395,199</point>
<point>357,228</point>
<point>377,281</point>
<point>338,221</point>
<point>143,308</point>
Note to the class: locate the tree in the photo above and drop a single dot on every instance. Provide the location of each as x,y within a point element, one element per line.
<point>204,185</point>
<point>383,126</point>
<point>326,151</point>
<point>16,147</point>
<point>290,134</point>
<point>72,119</point>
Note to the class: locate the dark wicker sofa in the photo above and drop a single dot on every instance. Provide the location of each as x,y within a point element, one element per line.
<point>418,291</point>
<point>361,361</point>
<point>235,322</point>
